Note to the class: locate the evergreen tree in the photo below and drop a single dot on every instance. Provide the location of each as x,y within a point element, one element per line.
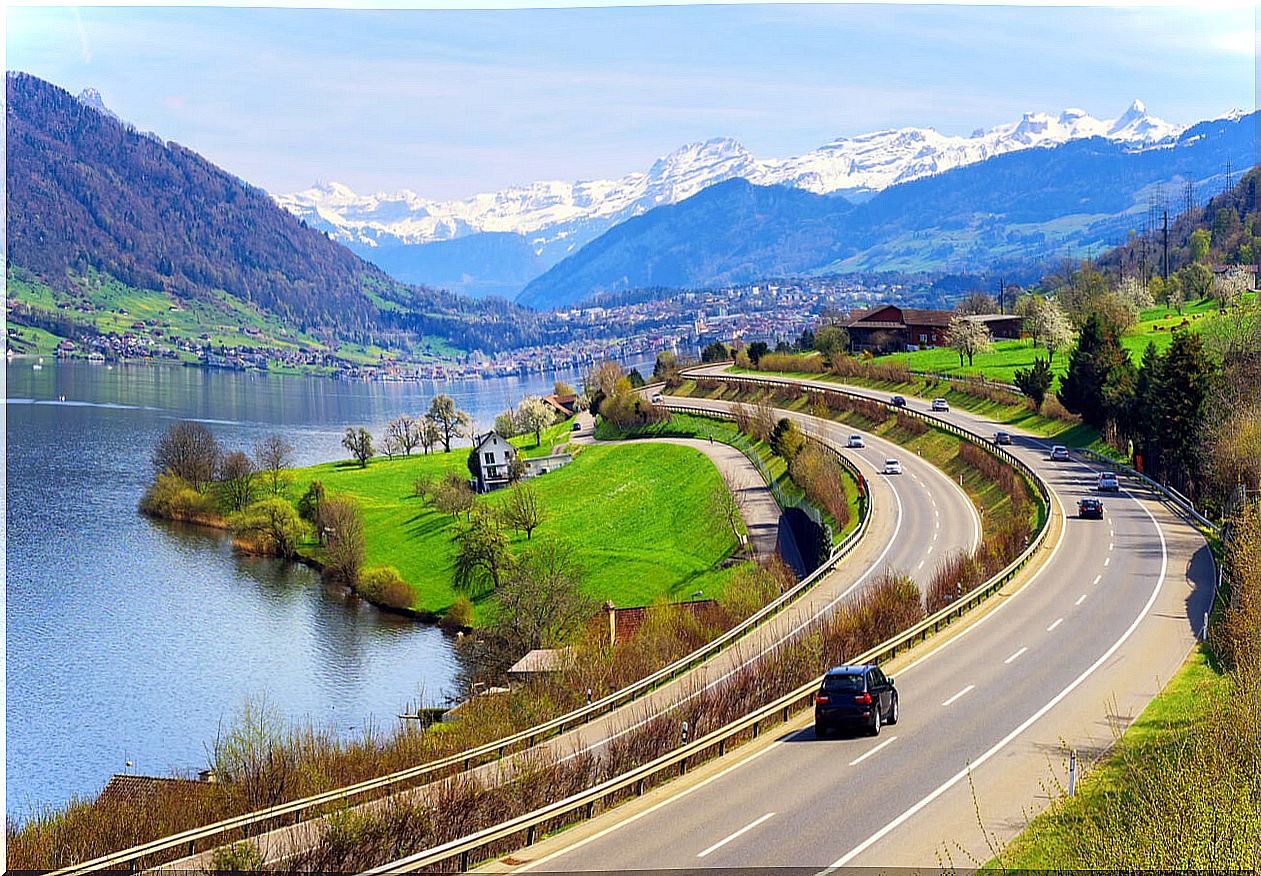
<point>1144,422</point>
<point>1186,381</point>
<point>1090,364</point>
<point>1035,381</point>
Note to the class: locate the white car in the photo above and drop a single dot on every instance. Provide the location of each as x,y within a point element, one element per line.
<point>939,404</point>
<point>656,398</point>
<point>856,441</point>
<point>1059,453</point>
<point>892,466</point>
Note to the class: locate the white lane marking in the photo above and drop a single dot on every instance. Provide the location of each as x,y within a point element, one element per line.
<point>959,694</point>
<point>737,834</point>
<point>934,536</point>
<point>652,715</point>
<point>1098,578</point>
<point>934,501</point>
<point>1028,722</point>
<point>921,565</point>
<point>1080,599</point>
<point>1014,656</point>
<point>937,523</point>
<point>1109,545</point>
<point>1107,560</point>
<point>1054,625</point>
<point>856,761</point>
<point>651,809</point>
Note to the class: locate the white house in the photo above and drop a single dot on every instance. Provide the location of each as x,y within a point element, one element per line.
<point>494,461</point>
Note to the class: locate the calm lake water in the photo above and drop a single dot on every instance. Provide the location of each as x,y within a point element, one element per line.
<point>133,640</point>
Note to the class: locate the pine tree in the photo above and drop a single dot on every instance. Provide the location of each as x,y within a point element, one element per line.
<point>1096,374</point>
<point>1186,381</point>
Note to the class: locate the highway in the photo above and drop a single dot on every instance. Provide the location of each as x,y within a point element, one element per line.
<point>987,715</point>
<point>917,516</point>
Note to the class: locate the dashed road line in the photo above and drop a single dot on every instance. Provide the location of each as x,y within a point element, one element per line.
<point>739,833</point>
<point>959,694</point>
<point>1054,625</point>
<point>856,761</point>
<point>1014,656</point>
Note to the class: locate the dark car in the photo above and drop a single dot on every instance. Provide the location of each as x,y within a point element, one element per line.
<point>1089,507</point>
<point>898,402</point>
<point>577,426</point>
<point>1002,437</point>
<point>855,696</point>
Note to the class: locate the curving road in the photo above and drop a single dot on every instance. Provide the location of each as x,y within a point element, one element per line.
<point>917,517</point>
<point>1063,657</point>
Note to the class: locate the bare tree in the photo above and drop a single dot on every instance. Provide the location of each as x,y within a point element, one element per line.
<point>727,501</point>
<point>339,521</point>
<point>453,496</point>
<point>540,603</point>
<point>603,378</point>
<point>522,510</point>
<point>189,451</point>
<point>975,304</point>
<point>273,455</point>
<point>236,479</point>
<point>359,443</point>
<point>763,421</point>
<point>405,431</point>
<point>430,433</point>
<point>450,420</point>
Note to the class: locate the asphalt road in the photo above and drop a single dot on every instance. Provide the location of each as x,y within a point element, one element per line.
<point>917,517</point>
<point>987,717</point>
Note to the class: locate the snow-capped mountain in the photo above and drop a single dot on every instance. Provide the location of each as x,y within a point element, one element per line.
<point>92,98</point>
<point>557,216</point>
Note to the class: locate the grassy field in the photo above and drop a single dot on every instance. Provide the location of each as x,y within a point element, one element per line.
<point>1164,728</point>
<point>637,515</point>
<point>724,432</point>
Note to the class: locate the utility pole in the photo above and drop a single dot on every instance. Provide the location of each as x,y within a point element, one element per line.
<point>1165,260</point>
<point>1001,289</point>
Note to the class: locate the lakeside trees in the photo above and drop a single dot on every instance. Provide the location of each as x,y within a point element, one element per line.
<point>274,456</point>
<point>451,422</point>
<point>359,443</point>
<point>189,451</point>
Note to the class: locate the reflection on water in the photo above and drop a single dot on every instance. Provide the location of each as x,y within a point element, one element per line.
<point>133,639</point>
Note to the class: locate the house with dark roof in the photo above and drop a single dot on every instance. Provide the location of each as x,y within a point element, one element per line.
<point>889,328</point>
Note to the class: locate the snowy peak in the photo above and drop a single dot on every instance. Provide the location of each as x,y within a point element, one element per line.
<point>560,216</point>
<point>90,97</point>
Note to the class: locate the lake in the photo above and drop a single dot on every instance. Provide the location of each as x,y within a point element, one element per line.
<point>130,639</point>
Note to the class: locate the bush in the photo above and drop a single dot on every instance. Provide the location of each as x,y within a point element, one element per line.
<point>173,498</point>
<point>240,857</point>
<point>340,525</point>
<point>270,526</point>
<point>459,614</point>
<point>820,478</point>
<point>383,585</point>
<point>810,363</point>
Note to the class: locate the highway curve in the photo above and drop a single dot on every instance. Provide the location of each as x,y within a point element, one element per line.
<point>917,515</point>
<point>1059,660</point>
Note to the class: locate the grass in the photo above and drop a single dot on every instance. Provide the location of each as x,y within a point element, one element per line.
<point>637,516</point>
<point>1169,721</point>
<point>553,435</point>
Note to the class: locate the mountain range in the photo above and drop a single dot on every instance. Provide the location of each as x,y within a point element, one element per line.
<point>534,226</point>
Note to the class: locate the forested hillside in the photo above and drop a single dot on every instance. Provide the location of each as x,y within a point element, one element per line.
<point>88,193</point>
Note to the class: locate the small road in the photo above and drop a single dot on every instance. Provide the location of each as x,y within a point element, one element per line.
<point>1062,659</point>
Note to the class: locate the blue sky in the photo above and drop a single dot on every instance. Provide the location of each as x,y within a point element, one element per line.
<point>449,103</point>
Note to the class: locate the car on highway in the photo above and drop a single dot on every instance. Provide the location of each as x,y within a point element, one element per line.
<point>577,426</point>
<point>1002,437</point>
<point>1108,482</point>
<point>855,696</point>
<point>1059,453</point>
<point>1090,508</point>
<point>897,401</point>
<point>939,404</point>
<point>856,441</point>
<point>656,398</point>
<point>892,466</point>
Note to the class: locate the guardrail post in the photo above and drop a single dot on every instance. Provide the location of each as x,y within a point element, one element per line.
<point>464,862</point>
<point>591,810</point>
<point>722,747</point>
<point>639,788</point>
<point>192,848</point>
<point>529,835</point>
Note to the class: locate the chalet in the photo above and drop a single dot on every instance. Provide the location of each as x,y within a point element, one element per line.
<point>494,461</point>
<point>889,328</point>
<point>1246,275</point>
<point>565,406</point>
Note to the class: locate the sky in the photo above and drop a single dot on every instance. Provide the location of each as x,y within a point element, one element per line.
<point>453,102</point>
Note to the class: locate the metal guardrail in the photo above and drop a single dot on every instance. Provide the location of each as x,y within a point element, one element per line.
<point>583,805</point>
<point>1169,492</point>
<point>187,842</point>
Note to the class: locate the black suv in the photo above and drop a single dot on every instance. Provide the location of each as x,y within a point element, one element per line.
<point>855,696</point>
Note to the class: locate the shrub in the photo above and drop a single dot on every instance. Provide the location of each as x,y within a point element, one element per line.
<point>459,614</point>
<point>270,526</point>
<point>811,363</point>
<point>820,478</point>
<point>786,440</point>
<point>383,585</point>
<point>240,857</point>
<point>340,524</point>
<point>172,498</point>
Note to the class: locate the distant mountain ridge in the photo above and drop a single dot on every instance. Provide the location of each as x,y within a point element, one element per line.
<point>551,220</point>
<point>89,192</point>
<point>1023,206</point>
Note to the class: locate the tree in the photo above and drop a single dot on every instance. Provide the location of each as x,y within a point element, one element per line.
<point>236,480</point>
<point>359,443</point>
<point>274,524</point>
<point>430,434</point>
<point>831,339</point>
<point>1197,281</point>
<point>273,455</point>
<point>786,439</point>
<point>756,351</point>
<point>540,602</point>
<point>535,415</point>
<point>967,337</point>
<point>453,495</point>
<point>1199,243</point>
<point>481,553</point>
<point>450,420</point>
<point>976,304</point>
<point>667,365</point>
<point>189,451</point>
<point>340,523</point>
<point>1135,294</point>
<point>602,379</point>
<point>309,504</point>
<point>636,379</point>
<point>1186,378</point>
<point>506,424</point>
<point>522,510</point>
<point>1229,288</point>
<point>726,502</point>
<point>405,431</point>
<point>1047,323</point>
<point>1035,381</point>
<point>1175,295</point>
<point>1092,362</point>
<point>561,389</point>
<point>715,351</point>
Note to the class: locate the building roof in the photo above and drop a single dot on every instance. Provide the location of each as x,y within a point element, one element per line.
<point>143,790</point>
<point>479,440</point>
<point>543,660</point>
